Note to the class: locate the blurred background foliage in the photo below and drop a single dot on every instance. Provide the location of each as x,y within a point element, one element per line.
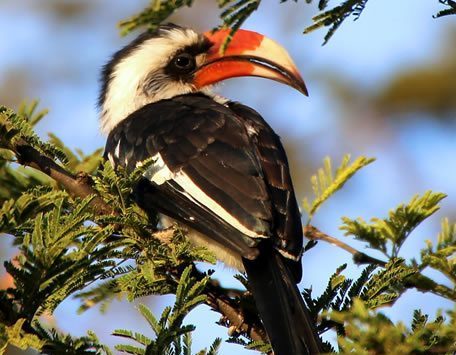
<point>384,86</point>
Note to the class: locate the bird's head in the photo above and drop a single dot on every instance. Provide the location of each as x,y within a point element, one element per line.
<point>174,61</point>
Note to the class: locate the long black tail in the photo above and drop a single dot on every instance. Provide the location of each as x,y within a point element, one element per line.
<point>281,307</point>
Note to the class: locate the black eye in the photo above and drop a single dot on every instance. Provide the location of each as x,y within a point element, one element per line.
<point>184,62</point>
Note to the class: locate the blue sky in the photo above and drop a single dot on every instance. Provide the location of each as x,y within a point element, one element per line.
<point>62,59</point>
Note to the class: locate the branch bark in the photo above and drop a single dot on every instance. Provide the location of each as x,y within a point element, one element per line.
<point>239,320</point>
<point>79,185</point>
<point>359,258</point>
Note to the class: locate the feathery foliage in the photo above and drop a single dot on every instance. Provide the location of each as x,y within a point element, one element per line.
<point>15,336</point>
<point>15,127</point>
<point>375,289</point>
<point>77,161</point>
<point>65,246</point>
<point>233,15</point>
<point>155,13</point>
<point>443,256</point>
<point>388,234</point>
<point>58,343</point>
<point>325,183</point>
<point>171,336</point>
<point>14,180</point>
<point>367,332</point>
<point>350,307</point>
<point>336,16</point>
<point>47,271</point>
<point>235,12</point>
<point>450,10</point>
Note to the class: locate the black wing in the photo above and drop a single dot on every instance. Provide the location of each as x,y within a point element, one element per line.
<point>274,164</point>
<point>227,152</point>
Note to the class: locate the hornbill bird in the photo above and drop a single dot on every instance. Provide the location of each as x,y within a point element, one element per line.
<point>218,169</point>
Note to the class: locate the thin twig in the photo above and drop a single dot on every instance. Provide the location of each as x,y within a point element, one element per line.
<point>79,185</point>
<point>359,258</point>
<point>418,281</point>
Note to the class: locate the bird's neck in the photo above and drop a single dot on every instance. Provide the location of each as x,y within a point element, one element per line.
<point>120,104</point>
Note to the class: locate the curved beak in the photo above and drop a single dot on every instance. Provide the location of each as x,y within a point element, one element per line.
<point>248,54</point>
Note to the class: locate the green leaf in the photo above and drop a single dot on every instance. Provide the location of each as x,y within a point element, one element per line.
<point>59,253</point>
<point>57,343</point>
<point>234,16</point>
<point>443,256</point>
<point>419,320</point>
<point>155,13</point>
<point>169,330</point>
<point>213,350</point>
<point>451,10</point>
<point>130,349</point>
<point>29,111</point>
<point>387,285</point>
<point>325,183</point>
<point>370,332</point>
<point>339,294</point>
<point>78,161</point>
<point>261,346</point>
<point>15,127</point>
<point>397,227</point>
<point>336,16</point>
<point>15,335</point>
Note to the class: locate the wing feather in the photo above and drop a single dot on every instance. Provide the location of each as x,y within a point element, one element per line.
<point>230,154</point>
<point>208,159</point>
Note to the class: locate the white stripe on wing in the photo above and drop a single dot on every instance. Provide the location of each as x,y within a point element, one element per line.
<point>159,173</point>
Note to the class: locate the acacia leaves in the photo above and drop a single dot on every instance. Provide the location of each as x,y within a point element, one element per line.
<point>351,307</point>
<point>170,335</point>
<point>235,12</point>
<point>388,234</point>
<point>326,182</point>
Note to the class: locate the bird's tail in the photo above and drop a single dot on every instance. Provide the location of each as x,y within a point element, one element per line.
<point>281,307</point>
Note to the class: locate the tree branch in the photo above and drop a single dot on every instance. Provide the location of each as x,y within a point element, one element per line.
<point>239,320</point>
<point>418,281</point>
<point>79,185</point>
<point>359,258</point>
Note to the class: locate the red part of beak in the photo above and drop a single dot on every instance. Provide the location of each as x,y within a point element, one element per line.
<point>248,54</point>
